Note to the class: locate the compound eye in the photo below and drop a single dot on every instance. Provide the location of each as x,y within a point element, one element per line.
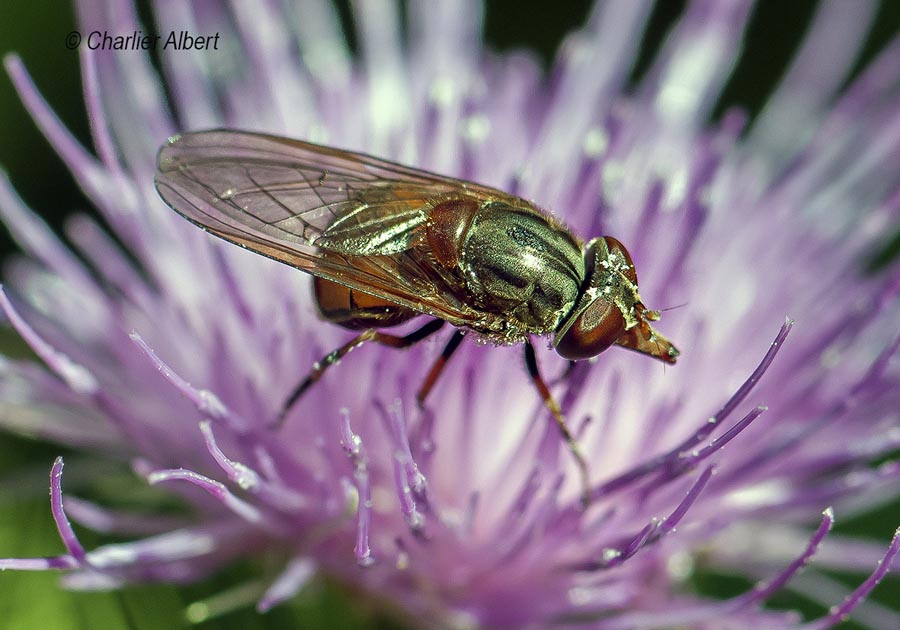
<point>592,331</point>
<point>618,252</point>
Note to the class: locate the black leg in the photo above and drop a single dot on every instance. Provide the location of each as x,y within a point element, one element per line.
<point>438,367</point>
<point>333,357</point>
<point>550,403</point>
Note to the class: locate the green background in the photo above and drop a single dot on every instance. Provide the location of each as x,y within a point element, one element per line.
<point>37,30</point>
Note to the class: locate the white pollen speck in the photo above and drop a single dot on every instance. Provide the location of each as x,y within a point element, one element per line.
<point>758,495</point>
<point>680,566</point>
<point>246,478</point>
<point>442,92</point>
<point>610,554</point>
<point>475,128</point>
<point>366,562</point>
<point>596,141</point>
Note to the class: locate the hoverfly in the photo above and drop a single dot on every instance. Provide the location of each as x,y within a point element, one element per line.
<point>387,243</point>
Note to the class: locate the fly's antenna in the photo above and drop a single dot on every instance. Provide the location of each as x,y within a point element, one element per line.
<point>655,314</point>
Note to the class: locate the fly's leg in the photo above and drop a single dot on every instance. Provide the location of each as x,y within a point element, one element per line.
<point>438,367</point>
<point>550,403</point>
<point>333,357</point>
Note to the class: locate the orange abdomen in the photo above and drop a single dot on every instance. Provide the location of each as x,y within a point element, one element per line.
<point>357,310</point>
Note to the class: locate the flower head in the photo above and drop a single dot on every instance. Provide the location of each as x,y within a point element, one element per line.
<point>176,357</point>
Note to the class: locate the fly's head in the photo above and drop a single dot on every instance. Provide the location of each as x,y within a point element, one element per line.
<point>609,310</point>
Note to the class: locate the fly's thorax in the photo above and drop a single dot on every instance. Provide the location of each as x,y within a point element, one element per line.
<point>517,263</point>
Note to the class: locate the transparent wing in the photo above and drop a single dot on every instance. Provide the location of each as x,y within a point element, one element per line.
<point>343,216</point>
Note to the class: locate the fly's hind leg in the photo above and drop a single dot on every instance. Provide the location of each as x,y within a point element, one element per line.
<point>553,407</point>
<point>371,334</point>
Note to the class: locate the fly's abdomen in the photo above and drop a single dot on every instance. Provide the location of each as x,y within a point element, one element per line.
<point>357,310</point>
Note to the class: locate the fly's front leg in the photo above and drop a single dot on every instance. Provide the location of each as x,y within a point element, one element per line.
<point>551,404</point>
<point>392,341</point>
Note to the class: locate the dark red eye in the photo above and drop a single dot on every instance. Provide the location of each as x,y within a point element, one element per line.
<point>618,251</point>
<point>592,331</point>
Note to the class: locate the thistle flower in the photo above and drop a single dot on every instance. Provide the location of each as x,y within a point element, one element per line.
<point>175,357</point>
